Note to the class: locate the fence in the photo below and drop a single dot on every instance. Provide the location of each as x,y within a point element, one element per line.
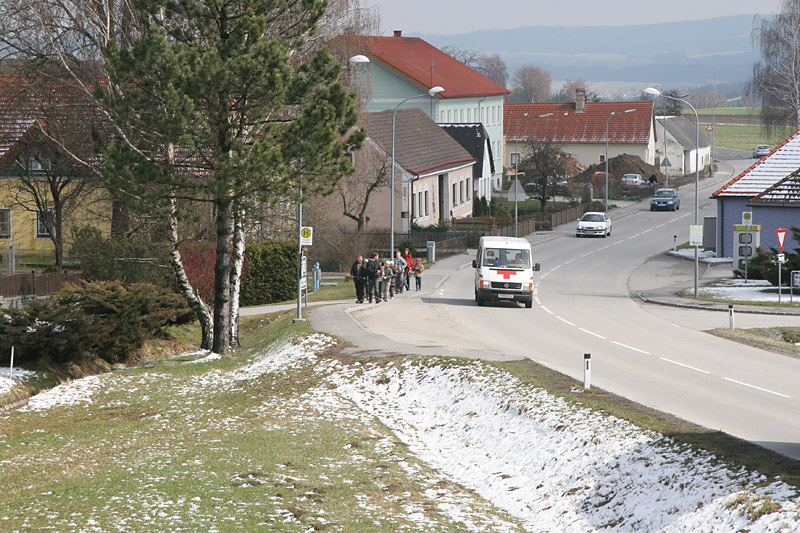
<point>35,284</point>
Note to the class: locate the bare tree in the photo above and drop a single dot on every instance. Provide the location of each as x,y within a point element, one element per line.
<point>776,78</point>
<point>371,175</point>
<point>531,84</point>
<point>493,67</point>
<point>544,165</point>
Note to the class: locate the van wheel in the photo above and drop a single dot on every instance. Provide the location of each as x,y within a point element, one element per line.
<point>480,301</point>
<point>529,304</point>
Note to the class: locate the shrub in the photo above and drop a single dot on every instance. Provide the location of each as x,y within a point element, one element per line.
<point>104,319</point>
<point>122,258</point>
<point>408,243</point>
<point>271,274</point>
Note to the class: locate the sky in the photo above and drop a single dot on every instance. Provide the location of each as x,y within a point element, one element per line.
<point>448,17</point>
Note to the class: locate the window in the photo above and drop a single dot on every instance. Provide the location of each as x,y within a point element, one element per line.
<point>469,115</point>
<point>420,210</point>
<point>462,115</point>
<point>455,194</point>
<point>461,192</point>
<point>468,190</point>
<point>42,219</point>
<point>426,203</point>
<point>514,158</point>
<point>448,116</point>
<point>5,223</point>
<point>443,116</point>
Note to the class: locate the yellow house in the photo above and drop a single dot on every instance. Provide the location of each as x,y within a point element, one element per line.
<point>47,186</point>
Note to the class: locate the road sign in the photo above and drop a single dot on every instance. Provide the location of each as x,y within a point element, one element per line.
<point>781,258</point>
<point>709,128</point>
<point>306,236</point>
<point>747,218</point>
<point>696,235</point>
<point>516,192</point>
<point>781,233</point>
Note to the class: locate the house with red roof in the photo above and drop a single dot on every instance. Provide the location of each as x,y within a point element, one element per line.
<point>770,191</point>
<point>403,69</point>
<point>579,128</point>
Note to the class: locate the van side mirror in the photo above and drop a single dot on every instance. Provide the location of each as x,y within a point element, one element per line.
<point>536,267</point>
<point>474,263</point>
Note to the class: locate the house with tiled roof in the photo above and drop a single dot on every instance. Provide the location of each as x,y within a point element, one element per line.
<point>579,128</point>
<point>406,67</point>
<point>768,190</point>
<point>43,190</point>
<point>432,173</point>
<point>474,139</point>
<point>677,137</point>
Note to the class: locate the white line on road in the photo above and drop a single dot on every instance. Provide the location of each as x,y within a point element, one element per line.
<point>603,248</point>
<point>544,275</point>
<point>564,320</point>
<point>660,226</point>
<point>647,231</point>
<point>538,301</point>
<point>555,268</point>
<point>683,365</point>
<point>757,388</point>
<point>632,237</point>
<point>586,254</point>
<point>616,243</point>
<point>592,333</point>
<point>570,261</point>
<point>630,348</point>
<point>547,310</point>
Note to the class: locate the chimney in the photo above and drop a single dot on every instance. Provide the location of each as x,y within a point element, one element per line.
<point>398,33</point>
<point>580,100</point>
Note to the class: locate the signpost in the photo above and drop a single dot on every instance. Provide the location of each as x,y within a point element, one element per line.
<point>516,194</point>
<point>781,233</point>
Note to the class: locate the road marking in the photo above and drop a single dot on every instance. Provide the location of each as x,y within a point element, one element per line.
<point>570,261</point>
<point>757,388</point>
<point>538,301</point>
<point>603,248</point>
<point>564,320</point>
<point>543,276</point>
<point>547,310</point>
<point>683,365</point>
<point>632,237</point>
<point>630,348</point>
<point>586,254</point>
<point>660,226</point>
<point>616,243</point>
<point>647,231</point>
<point>555,268</point>
<point>592,333</point>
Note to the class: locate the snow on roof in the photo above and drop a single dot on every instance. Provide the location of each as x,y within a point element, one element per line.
<point>772,168</point>
<point>785,193</point>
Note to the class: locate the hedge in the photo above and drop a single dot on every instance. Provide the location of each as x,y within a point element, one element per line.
<point>271,273</point>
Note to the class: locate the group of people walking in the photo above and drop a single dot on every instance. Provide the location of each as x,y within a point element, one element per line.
<point>382,278</point>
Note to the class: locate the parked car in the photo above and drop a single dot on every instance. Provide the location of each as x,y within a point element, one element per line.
<point>632,180</point>
<point>665,199</point>
<point>594,223</point>
<point>760,151</point>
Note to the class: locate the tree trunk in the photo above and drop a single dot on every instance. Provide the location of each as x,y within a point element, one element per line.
<point>192,297</point>
<point>236,275</point>
<point>222,272</point>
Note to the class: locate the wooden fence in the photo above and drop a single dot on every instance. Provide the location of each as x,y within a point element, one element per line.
<point>32,284</point>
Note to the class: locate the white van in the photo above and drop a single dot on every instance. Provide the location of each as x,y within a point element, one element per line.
<point>504,271</point>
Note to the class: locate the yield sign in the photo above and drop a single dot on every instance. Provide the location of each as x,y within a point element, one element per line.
<point>781,233</point>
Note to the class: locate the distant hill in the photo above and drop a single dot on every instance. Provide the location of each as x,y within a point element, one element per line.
<point>711,52</point>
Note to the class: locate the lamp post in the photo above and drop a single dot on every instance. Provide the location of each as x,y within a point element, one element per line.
<point>605,188</point>
<point>656,93</point>
<point>433,91</point>
<point>713,111</point>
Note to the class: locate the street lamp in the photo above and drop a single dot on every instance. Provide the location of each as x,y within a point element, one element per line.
<point>714,110</point>
<point>605,191</point>
<point>656,93</point>
<point>433,91</point>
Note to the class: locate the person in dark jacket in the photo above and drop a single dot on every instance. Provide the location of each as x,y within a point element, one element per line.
<point>359,274</point>
<point>373,277</point>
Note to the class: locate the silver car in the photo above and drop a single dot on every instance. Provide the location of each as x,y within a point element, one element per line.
<point>593,224</point>
<point>760,151</point>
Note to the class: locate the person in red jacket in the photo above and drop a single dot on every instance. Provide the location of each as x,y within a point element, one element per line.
<point>410,262</point>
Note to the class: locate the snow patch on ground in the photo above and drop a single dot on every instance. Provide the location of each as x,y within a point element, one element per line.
<point>73,393</point>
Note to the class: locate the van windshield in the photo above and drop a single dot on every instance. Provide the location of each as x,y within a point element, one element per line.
<point>507,257</point>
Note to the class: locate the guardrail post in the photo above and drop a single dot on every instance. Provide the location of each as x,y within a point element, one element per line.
<point>587,371</point>
<point>730,316</point>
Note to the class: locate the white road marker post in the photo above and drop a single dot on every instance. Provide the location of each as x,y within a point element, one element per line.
<point>587,371</point>
<point>730,316</point>
<point>11,370</point>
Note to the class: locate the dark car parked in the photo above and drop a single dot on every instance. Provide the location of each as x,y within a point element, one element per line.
<point>665,199</point>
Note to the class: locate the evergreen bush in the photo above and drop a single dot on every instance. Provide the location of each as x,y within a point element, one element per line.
<point>270,275</point>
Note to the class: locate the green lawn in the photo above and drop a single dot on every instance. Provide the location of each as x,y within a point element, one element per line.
<point>745,136</point>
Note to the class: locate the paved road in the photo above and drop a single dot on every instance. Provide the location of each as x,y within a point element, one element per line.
<point>587,303</point>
